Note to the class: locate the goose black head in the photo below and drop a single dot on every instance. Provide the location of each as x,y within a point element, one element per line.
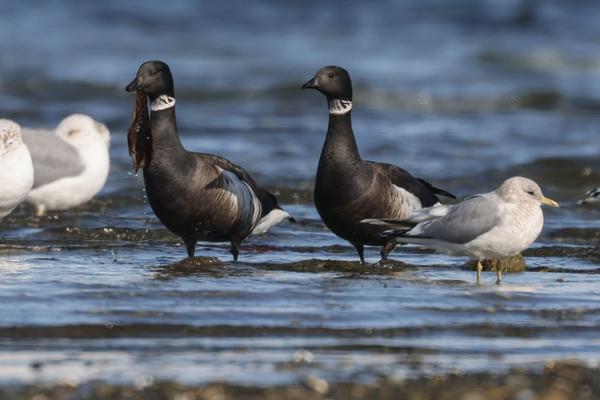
<point>154,79</point>
<point>334,82</point>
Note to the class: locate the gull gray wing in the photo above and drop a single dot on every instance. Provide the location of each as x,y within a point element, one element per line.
<point>417,216</point>
<point>52,157</point>
<point>462,222</point>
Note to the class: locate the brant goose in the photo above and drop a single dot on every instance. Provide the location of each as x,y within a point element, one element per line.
<point>70,164</point>
<point>16,170</point>
<point>349,189</point>
<point>197,196</point>
<point>494,225</point>
<point>591,197</point>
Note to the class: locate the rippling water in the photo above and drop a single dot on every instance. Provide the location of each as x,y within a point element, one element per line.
<point>464,96</point>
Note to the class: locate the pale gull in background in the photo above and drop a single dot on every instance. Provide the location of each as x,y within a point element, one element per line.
<point>70,164</point>
<point>493,225</point>
<point>16,170</point>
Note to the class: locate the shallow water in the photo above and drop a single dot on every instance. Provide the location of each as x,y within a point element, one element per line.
<point>465,97</point>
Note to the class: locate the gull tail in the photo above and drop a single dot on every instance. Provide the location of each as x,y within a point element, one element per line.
<point>437,191</point>
<point>385,222</point>
<point>400,230</point>
<point>397,227</point>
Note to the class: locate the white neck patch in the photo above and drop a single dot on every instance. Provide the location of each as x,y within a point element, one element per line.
<point>339,107</point>
<point>162,102</point>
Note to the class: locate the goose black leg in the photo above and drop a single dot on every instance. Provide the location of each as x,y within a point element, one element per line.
<point>190,245</point>
<point>235,247</point>
<point>361,252</point>
<point>385,250</point>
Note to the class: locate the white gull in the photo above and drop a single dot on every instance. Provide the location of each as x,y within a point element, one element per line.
<point>70,164</point>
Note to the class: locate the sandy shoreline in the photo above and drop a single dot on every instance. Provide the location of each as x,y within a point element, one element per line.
<point>557,381</point>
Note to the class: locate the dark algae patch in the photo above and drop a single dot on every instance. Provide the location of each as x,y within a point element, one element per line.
<point>317,265</point>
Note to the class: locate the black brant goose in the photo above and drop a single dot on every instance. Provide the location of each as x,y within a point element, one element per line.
<point>349,189</point>
<point>591,197</point>
<point>197,196</point>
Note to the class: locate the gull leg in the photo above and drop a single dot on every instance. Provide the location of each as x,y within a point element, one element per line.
<point>479,268</point>
<point>40,211</point>
<point>498,276</point>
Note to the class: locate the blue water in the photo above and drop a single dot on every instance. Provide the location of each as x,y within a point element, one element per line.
<point>463,95</point>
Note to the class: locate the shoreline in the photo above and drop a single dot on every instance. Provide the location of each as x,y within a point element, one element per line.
<point>557,381</point>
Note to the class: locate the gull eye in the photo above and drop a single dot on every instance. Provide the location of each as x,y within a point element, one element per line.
<point>531,192</point>
<point>72,132</point>
<point>331,75</point>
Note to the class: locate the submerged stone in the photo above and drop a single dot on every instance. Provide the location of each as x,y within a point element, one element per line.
<point>509,264</point>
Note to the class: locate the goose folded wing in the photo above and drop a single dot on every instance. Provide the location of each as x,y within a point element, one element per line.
<point>268,201</point>
<point>404,180</point>
<point>227,165</point>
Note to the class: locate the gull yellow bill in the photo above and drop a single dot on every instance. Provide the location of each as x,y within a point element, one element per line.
<point>549,202</point>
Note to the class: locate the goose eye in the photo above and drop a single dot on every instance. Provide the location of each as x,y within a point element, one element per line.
<point>331,75</point>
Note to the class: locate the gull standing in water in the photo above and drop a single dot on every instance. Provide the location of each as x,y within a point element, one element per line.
<point>16,169</point>
<point>493,225</point>
<point>70,164</point>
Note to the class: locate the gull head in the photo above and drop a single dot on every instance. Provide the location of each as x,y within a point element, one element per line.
<point>523,190</point>
<point>81,130</point>
<point>10,136</point>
